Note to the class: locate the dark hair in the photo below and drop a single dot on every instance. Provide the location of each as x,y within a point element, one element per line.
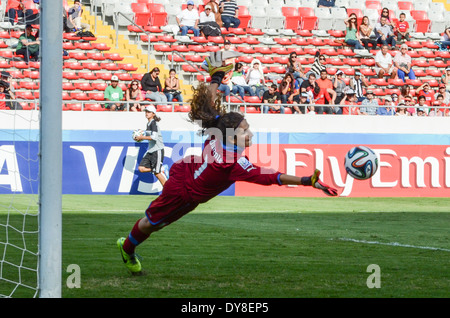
<point>351,24</point>
<point>155,69</point>
<point>211,113</point>
<point>238,66</point>
<point>171,70</point>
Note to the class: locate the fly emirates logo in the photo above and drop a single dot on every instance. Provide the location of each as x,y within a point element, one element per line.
<point>403,168</point>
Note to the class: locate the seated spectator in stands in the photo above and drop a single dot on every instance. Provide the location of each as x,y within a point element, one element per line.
<point>272,100</point>
<point>28,45</point>
<point>215,9</point>
<point>151,85</point>
<point>229,11</point>
<point>387,109</point>
<point>395,99</point>
<point>421,112</point>
<point>425,90</point>
<point>318,65</point>
<point>295,68</point>
<point>339,86</point>
<point>438,108</point>
<point>357,84</point>
<point>322,98</point>
<point>7,97</point>
<point>365,32</point>
<point>385,14</point>
<point>7,78</point>
<point>255,78</point>
<point>225,86</point>
<point>405,92</point>
<point>401,110</point>
<point>445,79</point>
<point>384,64</point>
<point>326,85</point>
<point>402,28</point>
<point>208,25</point>
<point>351,32</point>
<point>402,62</point>
<point>22,12</point>
<point>74,17</point>
<point>114,93</point>
<point>290,91</point>
<point>409,102</point>
<point>444,93</point>
<point>172,87</point>
<point>422,104</point>
<point>304,103</point>
<point>369,106</point>
<point>239,83</point>
<point>445,39</point>
<point>384,33</point>
<point>349,103</point>
<point>326,3</point>
<point>188,20</point>
<point>134,93</point>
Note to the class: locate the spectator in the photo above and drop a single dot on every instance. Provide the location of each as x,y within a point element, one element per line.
<point>402,62</point>
<point>295,68</point>
<point>225,86</point>
<point>384,33</point>
<point>255,78</point>
<point>384,64</point>
<point>318,65</point>
<point>349,103</point>
<point>188,20</point>
<point>365,32</point>
<point>229,13</point>
<point>401,110</point>
<point>387,109</point>
<point>386,14</point>
<point>445,39</point>
<point>134,93</point>
<point>208,25</point>
<point>326,85</point>
<point>172,87</point>
<point>239,83</point>
<point>7,78</point>
<point>215,9</point>
<point>326,3</point>
<point>405,93</point>
<point>351,34</point>
<point>290,91</point>
<point>74,17</point>
<point>114,93</point>
<point>151,85</point>
<point>424,90</point>
<point>21,12</point>
<point>339,86</point>
<point>7,97</point>
<point>445,78</point>
<point>409,103</point>
<point>357,84</point>
<point>305,104</point>
<point>272,100</point>
<point>28,45</point>
<point>439,107</point>
<point>402,28</point>
<point>421,112</point>
<point>421,103</point>
<point>444,93</point>
<point>395,99</point>
<point>369,106</point>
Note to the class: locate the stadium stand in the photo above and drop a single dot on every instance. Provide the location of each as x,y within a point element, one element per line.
<point>291,26</point>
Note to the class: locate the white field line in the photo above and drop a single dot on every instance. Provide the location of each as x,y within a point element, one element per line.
<point>394,244</point>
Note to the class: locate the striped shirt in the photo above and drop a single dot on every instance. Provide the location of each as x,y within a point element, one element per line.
<point>229,8</point>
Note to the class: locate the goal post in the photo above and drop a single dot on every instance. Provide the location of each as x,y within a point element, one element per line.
<point>50,150</point>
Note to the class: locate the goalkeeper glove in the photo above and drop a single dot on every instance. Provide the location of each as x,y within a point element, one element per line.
<point>316,183</point>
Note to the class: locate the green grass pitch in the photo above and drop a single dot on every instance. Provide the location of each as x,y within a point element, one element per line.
<point>236,247</point>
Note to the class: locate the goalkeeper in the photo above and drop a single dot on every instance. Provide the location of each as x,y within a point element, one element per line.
<point>195,180</point>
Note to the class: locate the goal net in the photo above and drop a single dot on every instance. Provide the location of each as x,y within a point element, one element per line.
<point>19,226</point>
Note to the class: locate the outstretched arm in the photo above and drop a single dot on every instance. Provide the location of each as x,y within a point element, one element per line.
<point>313,181</point>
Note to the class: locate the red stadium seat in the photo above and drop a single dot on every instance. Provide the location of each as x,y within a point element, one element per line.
<point>423,23</point>
<point>158,15</point>
<point>292,16</point>
<point>244,16</point>
<point>67,86</point>
<point>308,19</point>
<point>99,96</point>
<point>89,76</point>
<point>405,5</point>
<point>141,13</point>
<point>84,86</point>
<point>113,56</point>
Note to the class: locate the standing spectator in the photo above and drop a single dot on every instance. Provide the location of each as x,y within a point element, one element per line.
<point>402,28</point>
<point>351,34</point>
<point>172,87</point>
<point>151,85</point>
<point>339,86</point>
<point>445,39</point>
<point>188,20</point>
<point>365,32</point>
<point>384,33</point>
<point>289,91</point>
<point>255,78</point>
<point>357,84</point>
<point>295,68</point>
<point>134,93</point>
<point>384,64</point>
<point>349,103</point>
<point>425,90</point>
<point>272,100</point>
<point>74,17</point>
<point>445,78</point>
<point>403,63</point>
<point>326,3</point>
<point>444,93</point>
<point>229,13</point>
<point>28,45</point>
<point>114,93</point>
<point>326,85</point>
<point>387,109</point>
<point>239,83</point>
<point>369,106</point>
<point>21,12</point>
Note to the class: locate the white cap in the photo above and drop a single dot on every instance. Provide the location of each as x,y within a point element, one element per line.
<point>151,109</point>
<point>114,78</point>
